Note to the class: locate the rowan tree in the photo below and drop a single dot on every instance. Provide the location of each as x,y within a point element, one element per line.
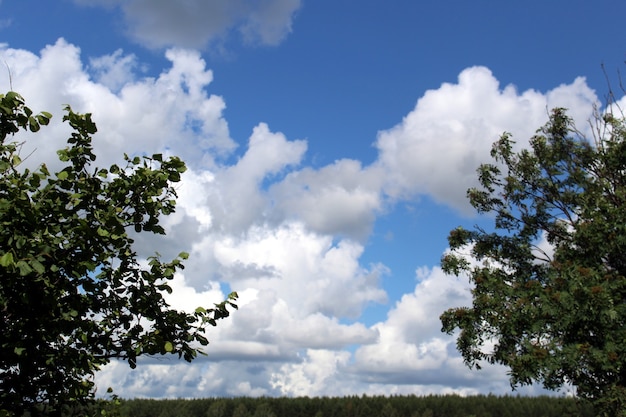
<point>73,293</point>
<point>549,294</point>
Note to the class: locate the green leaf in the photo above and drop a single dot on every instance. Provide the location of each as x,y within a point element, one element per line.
<point>20,242</point>
<point>24,268</point>
<point>6,259</point>
<point>37,266</point>
<point>34,181</point>
<point>44,170</point>
<point>71,269</point>
<point>555,316</point>
<point>102,232</point>
<point>43,118</point>
<point>33,124</point>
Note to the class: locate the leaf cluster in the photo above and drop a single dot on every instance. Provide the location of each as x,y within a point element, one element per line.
<point>73,293</point>
<point>549,296</point>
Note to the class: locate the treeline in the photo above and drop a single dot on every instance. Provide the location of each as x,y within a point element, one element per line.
<point>365,406</point>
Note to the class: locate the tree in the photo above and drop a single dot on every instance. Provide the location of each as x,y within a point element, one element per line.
<point>73,293</point>
<point>553,312</point>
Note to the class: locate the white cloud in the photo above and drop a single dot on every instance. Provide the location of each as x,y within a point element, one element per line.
<point>114,70</point>
<point>171,378</point>
<point>316,374</point>
<point>339,199</point>
<point>305,268</point>
<point>170,114</point>
<point>289,238</point>
<point>238,201</point>
<point>196,23</point>
<point>186,298</point>
<point>413,353</point>
<point>437,147</point>
<point>411,342</point>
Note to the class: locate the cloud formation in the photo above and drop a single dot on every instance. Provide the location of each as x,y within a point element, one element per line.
<point>437,147</point>
<point>197,23</point>
<point>289,238</point>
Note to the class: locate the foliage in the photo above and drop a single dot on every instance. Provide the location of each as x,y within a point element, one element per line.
<point>554,312</point>
<point>364,406</point>
<point>73,293</point>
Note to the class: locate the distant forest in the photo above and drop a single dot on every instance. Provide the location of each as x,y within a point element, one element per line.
<point>365,406</point>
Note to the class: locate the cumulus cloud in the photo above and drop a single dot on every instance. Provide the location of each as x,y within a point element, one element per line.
<point>413,353</point>
<point>437,147</point>
<point>171,113</point>
<point>317,374</point>
<point>171,378</point>
<point>308,269</point>
<point>194,24</point>
<point>114,70</point>
<point>289,238</point>
<point>238,201</point>
<point>342,198</point>
<point>411,345</point>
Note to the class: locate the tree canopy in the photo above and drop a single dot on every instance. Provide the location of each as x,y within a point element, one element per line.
<point>549,295</point>
<point>73,292</point>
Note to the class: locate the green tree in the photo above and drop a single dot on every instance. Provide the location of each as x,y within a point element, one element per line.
<point>217,408</point>
<point>388,410</point>
<point>241,411</point>
<point>73,294</point>
<point>555,313</point>
<point>264,409</point>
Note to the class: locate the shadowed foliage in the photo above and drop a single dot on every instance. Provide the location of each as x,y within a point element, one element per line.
<point>549,296</point>
<point>73,294</point>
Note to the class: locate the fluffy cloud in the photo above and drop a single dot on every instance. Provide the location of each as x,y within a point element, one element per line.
<point>194,24</point>
<point>316,374</point>
<point>237,201</point>
<point>437,147</point>
<point>170,114</point>
<point>289,238</point>
<point>305,268</point>
<point>411,348</point>
<point>114,70</point>
<point>340,199</point>
<point>412,353</point>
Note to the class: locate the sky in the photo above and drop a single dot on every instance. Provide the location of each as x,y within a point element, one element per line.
<point>329,147</point>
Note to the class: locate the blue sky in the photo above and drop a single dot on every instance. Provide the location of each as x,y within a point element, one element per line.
<point>330,144</point>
